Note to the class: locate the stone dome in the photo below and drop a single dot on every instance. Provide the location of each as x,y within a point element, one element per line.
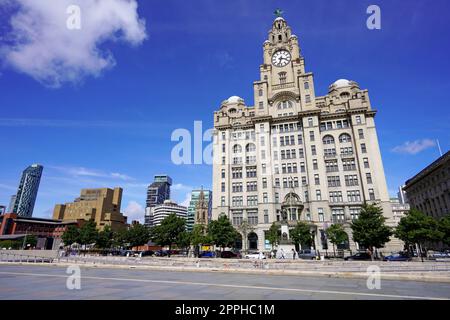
<point>342,83</point>
<point>235,99</point>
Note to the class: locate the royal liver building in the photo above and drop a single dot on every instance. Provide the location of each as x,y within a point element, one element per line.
<point>294,155</point>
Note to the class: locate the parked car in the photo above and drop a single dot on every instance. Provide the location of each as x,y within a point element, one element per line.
<point>399,256</point>
<point>230,255</point>
<point>307,254</point>
<point>255,255</point>
<point>207,254</point>
<point>362,256</point>
<point>146,253</point>
<point>161,253</point>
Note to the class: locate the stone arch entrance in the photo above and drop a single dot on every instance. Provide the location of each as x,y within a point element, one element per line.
<point>252,241</point>
<point>238,242</point>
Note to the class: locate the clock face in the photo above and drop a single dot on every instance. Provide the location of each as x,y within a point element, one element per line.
<point>281,58</point>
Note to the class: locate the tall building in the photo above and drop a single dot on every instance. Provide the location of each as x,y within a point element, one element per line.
<point>399,209</point>
<point>429,190</point>
<point>99,205</point>
<point>196,195</point>
<point>293,144</point>
<point>401,194</point>
<point>2,210</point>
<point>27,191</point>
<point>157,193</point>
<point>12,201</point>
<point>162,211</point>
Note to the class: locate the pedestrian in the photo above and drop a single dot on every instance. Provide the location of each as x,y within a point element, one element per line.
<point>293,254</point>
<point>272,254</point>
<point>282,254</point>
<point>260,256</point>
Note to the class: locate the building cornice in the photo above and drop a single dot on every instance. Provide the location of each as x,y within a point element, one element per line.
<point>429,169</point>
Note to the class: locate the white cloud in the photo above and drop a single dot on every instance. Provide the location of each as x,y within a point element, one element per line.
<point>8,187</point>
<point>186,201</point>
<point>40,44</point>
<point>134,211</point>
<point>86,172</point>
<point>414,147</point>
<point>180,187</point>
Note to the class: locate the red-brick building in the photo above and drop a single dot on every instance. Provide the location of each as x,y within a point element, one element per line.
<point>46,230</point>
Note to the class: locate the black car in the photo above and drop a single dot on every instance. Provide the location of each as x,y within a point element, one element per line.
<point>146,253</point>
<point>229,255</point>
<point>161,253</point>
<point>361,256</point>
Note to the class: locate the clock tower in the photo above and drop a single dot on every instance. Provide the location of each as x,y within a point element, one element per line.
<point>283,77</point>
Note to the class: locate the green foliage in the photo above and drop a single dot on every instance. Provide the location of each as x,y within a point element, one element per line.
<point>88,233</point>
<point>336,234</point>
<point>369,230</point>
<point>105,238</point>
<point>273,234</point>
<point>444,228</point>
<point>13,244</point>
<point>222,233</point>
<point>301,234</point>
<point>199,235</point>
<point>136,235</point>
<point>30,241</point>
<point>71,235</point>
<point>416,227</point>
<point>183,240</point>
<point>167,233</point>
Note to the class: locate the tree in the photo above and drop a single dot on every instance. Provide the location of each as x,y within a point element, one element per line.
<point>417,228</point>
<point>199,236</point>
<point>301,234</point>
<point>336,235</point>
<point>88,233</point>
<point>167,233</point>
<point>136,235</point>
<point>30,241</point>
<point>222,233</point>
<point>105,238</point>
<point>245,229</point>
<point>369,230</point>
<point>184,240</point>
<point>444,228</point>
<point>273,234</point>
<point>71,235</point>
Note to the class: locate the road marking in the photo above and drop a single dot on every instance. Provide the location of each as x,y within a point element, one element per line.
<point>232,286</point>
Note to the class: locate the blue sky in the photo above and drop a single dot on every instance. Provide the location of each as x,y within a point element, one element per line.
<point>111,126</point>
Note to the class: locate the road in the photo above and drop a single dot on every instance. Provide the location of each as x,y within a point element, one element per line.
<point>49,282</point>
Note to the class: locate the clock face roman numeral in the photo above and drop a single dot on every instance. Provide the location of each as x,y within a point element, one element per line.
<point>281,58</point>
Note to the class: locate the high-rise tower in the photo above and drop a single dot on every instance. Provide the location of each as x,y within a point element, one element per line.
<point>27,191</point>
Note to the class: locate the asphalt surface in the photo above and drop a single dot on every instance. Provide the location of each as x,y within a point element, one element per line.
<point>49,283</point>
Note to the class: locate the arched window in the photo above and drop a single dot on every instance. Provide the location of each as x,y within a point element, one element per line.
<point>328,139</point>
<point>285,105</point>
<point>345,95</point>
<point>250,147</point>
<point>237,148</point>
<point>345,138</point>
<point>232,111</point>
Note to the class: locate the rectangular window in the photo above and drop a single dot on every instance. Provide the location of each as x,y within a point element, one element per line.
<point>223,135</point>
<point>371,194</point>
<point>366,163</point>
<point>223,173</point>
<point>321,215</point>
<point>308,98</point>
<point>361,133</point>
<point>301,153</point>
<point>318,195</point>
<point>223,147</point>
<point>313,150</point>
<point>300,139</point>
<point>311,135</point>
<point>223,187</point>
<point>266,216</point>
<point>310,122</point>
<point>261,105</point>
<point>358,119</point>
<point>222,201</point>
<point>315,165</point>
<point>363,148</point>
<point>369,178</point>
<point>264,183</point>
<point>265,199</point>
<point>316,179</point>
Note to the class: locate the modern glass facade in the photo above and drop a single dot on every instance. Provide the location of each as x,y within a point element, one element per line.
<point>27,191</point>
<point>157,193</point>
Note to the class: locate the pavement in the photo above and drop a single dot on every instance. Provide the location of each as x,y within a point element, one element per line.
<point>48,282</point>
